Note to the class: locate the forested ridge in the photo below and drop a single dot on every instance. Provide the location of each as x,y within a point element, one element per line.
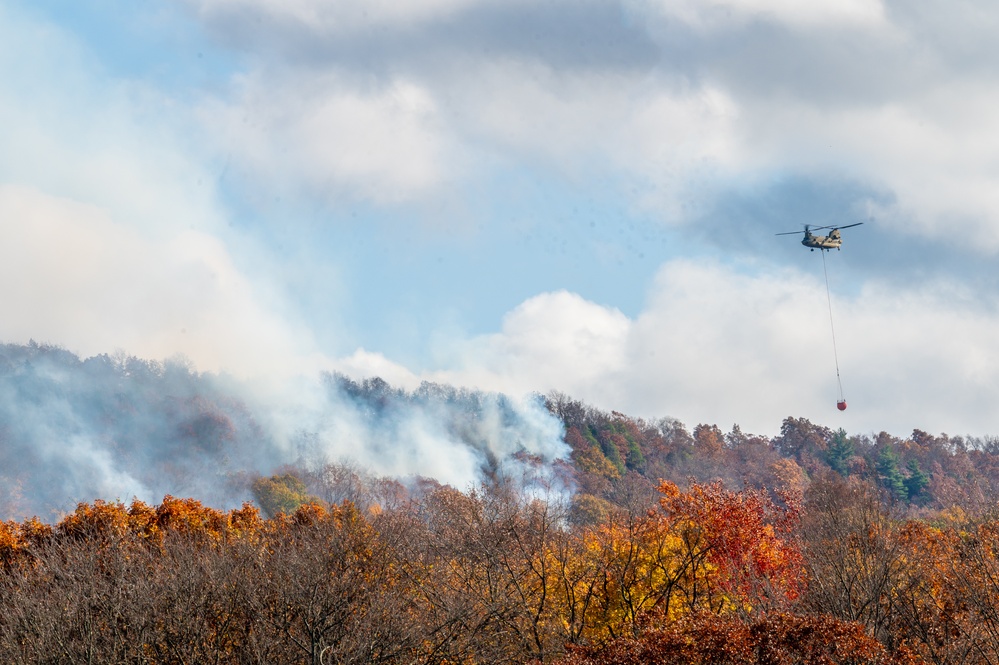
<point>644,541</point>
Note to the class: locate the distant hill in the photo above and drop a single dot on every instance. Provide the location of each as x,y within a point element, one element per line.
<point>117,427</point>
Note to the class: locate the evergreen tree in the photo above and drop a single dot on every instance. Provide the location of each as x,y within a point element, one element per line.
<point>839,452</point>
<point>608,448</point>
<point>889,474</point>
<point>917,481</point>
<point>635,459</point>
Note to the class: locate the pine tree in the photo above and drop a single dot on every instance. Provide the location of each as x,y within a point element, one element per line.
<point>917,481</point>
<point>839,452</point>
<point>890,476</point>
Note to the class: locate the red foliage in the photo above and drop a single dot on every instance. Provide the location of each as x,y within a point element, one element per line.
<point>777,639</point>
<point>750,539</point>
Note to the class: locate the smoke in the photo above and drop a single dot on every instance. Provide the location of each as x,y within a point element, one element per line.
<point>118,427</point>
<point>450,434</point>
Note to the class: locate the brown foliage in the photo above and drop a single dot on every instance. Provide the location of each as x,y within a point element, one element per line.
<point>492,576</point>
<point>776,639</point>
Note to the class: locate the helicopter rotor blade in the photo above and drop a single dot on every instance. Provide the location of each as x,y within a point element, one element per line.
<point>817,228</point>
<point>804,229</point>
<point>820,228</point>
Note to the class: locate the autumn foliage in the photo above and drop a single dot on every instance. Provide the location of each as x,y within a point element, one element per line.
<point>707,575</point>
<point>651,544</point>
<point>774,639</point>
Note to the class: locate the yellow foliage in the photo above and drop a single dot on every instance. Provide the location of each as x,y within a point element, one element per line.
<point>590,510</point>
<point>590,459</point>
<point>281,494</point>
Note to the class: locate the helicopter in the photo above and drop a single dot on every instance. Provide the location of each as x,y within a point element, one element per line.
<point>814,242</point>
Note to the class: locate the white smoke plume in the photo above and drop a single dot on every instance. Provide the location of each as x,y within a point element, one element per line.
<point>118,428</point>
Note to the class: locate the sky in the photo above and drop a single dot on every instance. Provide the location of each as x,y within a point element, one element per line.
<point>520,197</point>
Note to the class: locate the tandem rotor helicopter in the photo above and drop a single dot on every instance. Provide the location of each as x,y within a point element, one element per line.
<point>832,241</point>
<point>824,243</point>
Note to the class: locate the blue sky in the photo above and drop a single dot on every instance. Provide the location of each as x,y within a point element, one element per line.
<point>579,196</point>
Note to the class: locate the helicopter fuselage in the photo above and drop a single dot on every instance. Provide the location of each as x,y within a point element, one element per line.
<point>831,241</point>
<point>814,242</point>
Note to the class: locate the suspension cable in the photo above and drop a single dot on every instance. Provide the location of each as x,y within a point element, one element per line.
<point>832,328</point>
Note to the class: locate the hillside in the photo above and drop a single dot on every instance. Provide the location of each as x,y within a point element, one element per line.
<point>587,538</point>
<point>118,427</point>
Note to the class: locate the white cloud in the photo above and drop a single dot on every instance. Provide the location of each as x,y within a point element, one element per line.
<point>333,138</point>
<point>113,235</point>
<point>722,346</point>
<point>937,158</point>
<point>542,346</point>
<point>110,240</point>
<point>364,364</point>
<point>714,13</point>
<point>70,130</point>
<point>671,138</point>
<point>76,277</point>
<point>344,16</point>
<point>849,89</point>
<point>341,16</point>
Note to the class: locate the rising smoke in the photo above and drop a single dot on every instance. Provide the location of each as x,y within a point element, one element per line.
<point>116,427</point>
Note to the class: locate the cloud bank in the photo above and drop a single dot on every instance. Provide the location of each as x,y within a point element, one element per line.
<point>241,216</point>
<point>720,346</point>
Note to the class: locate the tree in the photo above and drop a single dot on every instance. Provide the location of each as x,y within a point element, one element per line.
<point>749,539</point>
<point>708,441</point>
<point>917,482</point>
<point>330,591</point>
<point>773,639</point>
<point>571,412</point>
<point>854,555</point>
<point>799,439</point>
<point>839,452</point>
<point>890,476</point>
<point>278,494</point>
